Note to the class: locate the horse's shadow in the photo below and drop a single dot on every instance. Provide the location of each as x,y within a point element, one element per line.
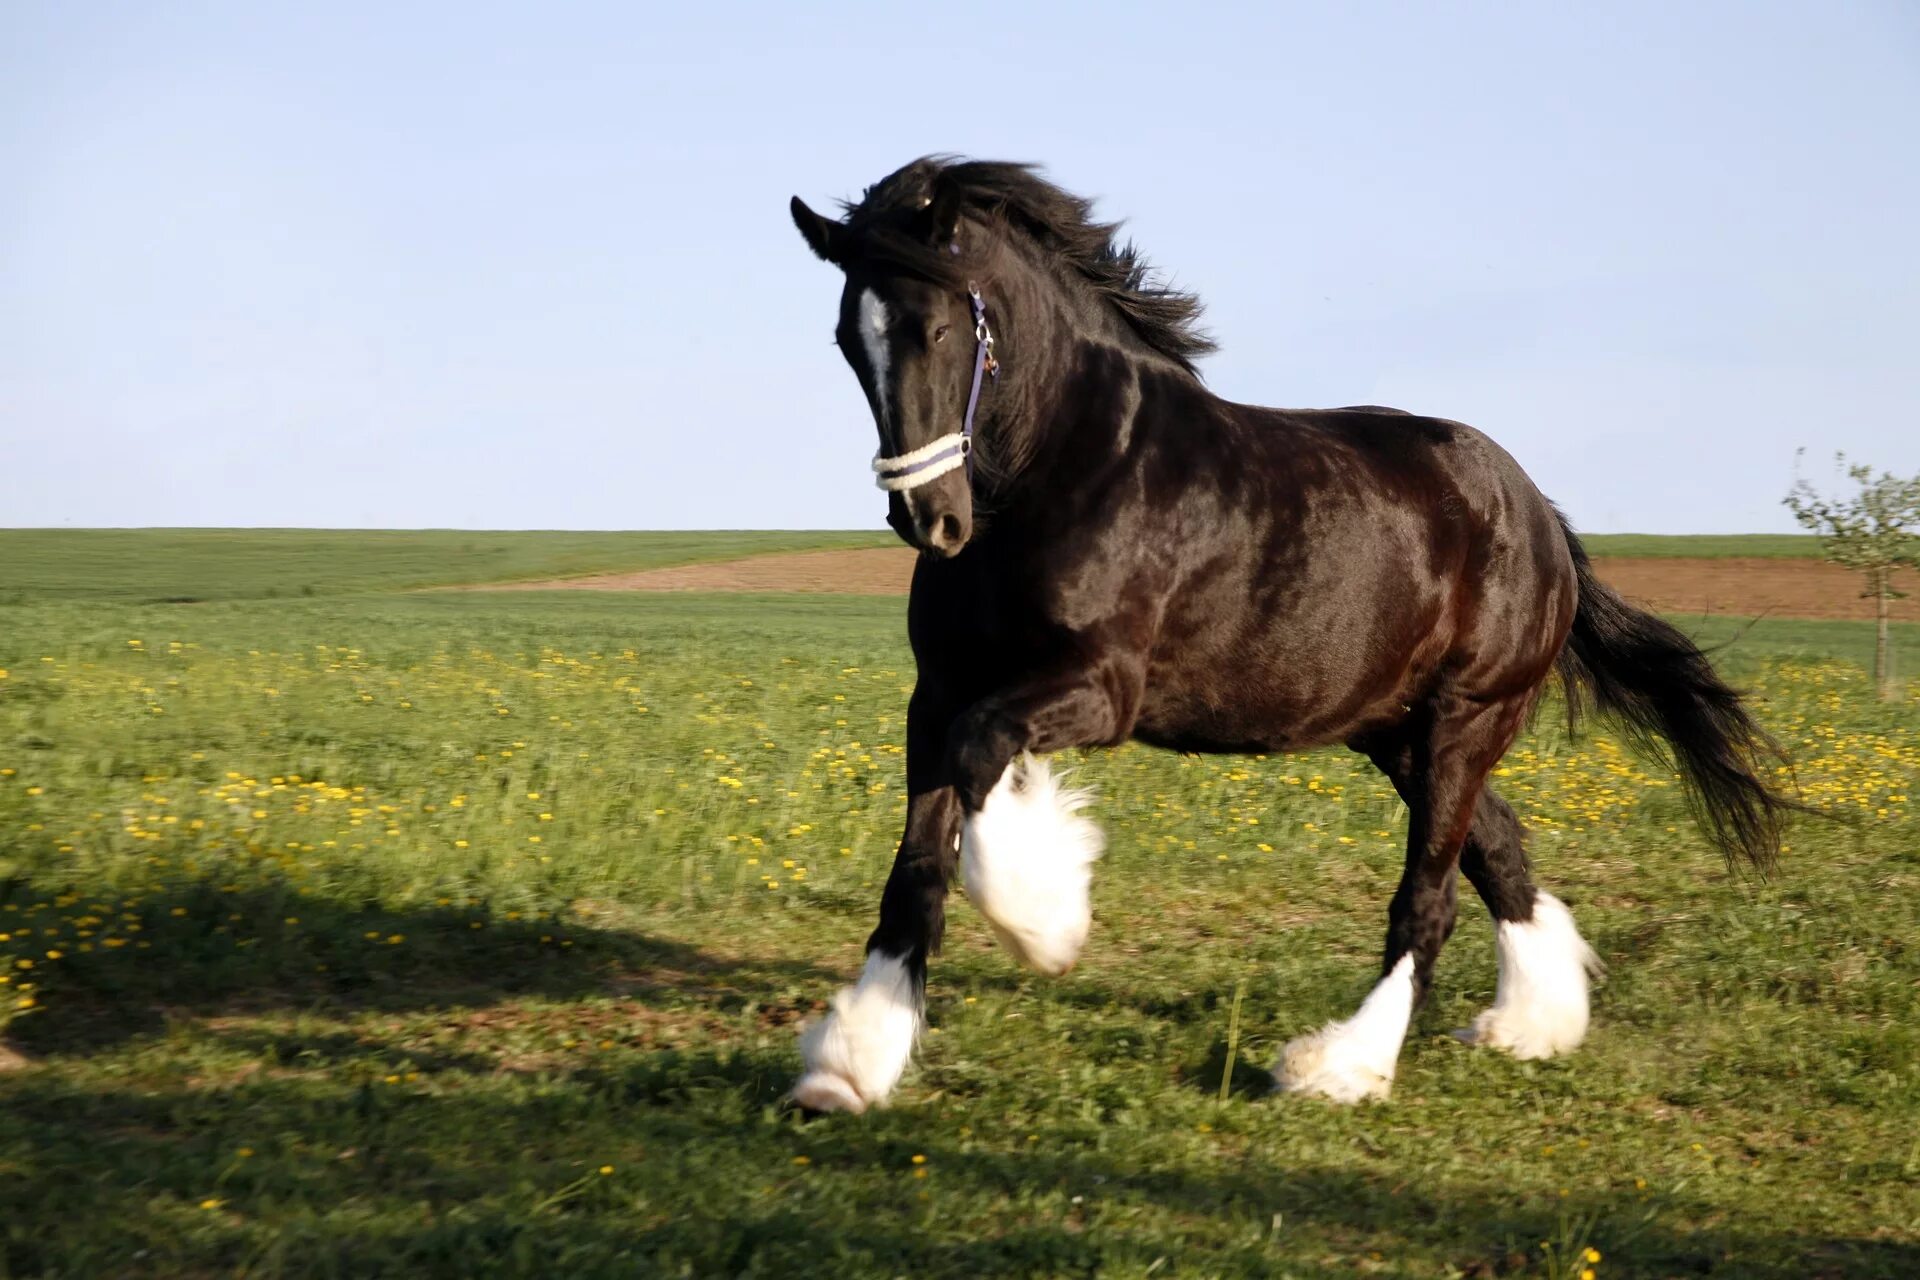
<point>210,954</point>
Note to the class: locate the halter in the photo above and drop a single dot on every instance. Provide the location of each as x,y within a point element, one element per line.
<point>932,460</point>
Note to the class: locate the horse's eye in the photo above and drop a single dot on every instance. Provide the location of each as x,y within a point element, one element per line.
<point>940,334</point>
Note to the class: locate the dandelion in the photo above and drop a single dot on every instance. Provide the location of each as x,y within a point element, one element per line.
<point>606,1170</point>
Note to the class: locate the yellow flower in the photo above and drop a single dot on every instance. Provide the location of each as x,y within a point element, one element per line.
<point>1592,1255</point>
<point>211,1203</point>
<point>802,1160</point>
<point>605,1169</point>
<point>919,1159</point>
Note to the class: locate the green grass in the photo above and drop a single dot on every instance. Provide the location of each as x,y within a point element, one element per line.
<point>150,565</point>
<point>323,1005</point>
<point>1769,546</point>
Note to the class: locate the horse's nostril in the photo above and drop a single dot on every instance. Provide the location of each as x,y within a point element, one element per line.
<point>947,531</point>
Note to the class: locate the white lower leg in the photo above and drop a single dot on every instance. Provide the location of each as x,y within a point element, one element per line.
<point>1540,1007</point>
<point>856,1054</point>
<point>1351,1060</point>
<point>1026,859</point>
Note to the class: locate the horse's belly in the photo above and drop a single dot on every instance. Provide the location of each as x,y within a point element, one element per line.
<point>1288,697</point>
<point>1193,720</point>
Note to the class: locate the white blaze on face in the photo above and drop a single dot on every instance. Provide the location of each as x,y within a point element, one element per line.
<point>873,339</point>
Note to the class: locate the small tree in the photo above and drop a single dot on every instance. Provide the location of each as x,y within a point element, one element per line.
<point>1876,531</point>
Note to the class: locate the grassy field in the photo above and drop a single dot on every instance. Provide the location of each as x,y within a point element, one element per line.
<point>460,934</point>
<point>193,565</point>
<point>1712,546</point>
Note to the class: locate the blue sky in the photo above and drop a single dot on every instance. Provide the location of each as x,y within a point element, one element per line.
<point>530,267</point>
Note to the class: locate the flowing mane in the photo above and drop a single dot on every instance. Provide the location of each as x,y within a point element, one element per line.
<point>888,224</point>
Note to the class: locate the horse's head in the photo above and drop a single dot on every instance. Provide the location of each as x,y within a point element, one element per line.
<point>914,335</point>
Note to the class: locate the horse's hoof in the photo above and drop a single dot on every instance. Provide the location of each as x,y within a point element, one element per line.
<point>1321,1065</point>
<point>1354,1060</point>
<point>823,1091</point>
<point>1526,1036</point>
<point>856,1054</point>
<point>1541,1007</point>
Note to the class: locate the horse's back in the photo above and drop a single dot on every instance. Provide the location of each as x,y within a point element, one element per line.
<point>1416,545</point>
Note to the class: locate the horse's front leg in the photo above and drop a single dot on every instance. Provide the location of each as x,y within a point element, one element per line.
<point>1026,850</point>
<point>855,1055</point>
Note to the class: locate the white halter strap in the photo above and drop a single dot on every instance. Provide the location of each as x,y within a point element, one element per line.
<point>929,462</point>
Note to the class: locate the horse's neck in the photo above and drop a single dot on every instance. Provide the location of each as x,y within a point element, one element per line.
<point>1080,391</point>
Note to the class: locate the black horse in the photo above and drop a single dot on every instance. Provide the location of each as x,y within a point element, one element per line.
<point>1110,551</point>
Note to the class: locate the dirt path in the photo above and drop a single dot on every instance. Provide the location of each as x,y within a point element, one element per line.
<point>1741,587</point>
<point>877,571</point>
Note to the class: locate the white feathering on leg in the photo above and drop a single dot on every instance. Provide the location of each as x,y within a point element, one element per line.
<point>1540,1007</point>
<point>1026,859</point>
<point>856,1054</point>
<point>1351,1060</point>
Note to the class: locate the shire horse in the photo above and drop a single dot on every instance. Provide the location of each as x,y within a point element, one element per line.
<point>1110,551</point>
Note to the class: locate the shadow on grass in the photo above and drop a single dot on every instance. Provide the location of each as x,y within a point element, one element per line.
<point>202,952</point>
<point>458,1177</point>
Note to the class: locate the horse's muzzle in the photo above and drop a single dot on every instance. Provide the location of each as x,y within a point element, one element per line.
<point>936,532</point>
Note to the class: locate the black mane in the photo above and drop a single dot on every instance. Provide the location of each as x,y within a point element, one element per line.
<point>890,224</point>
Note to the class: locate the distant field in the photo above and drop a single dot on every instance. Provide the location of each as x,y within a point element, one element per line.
<point>159,565</point>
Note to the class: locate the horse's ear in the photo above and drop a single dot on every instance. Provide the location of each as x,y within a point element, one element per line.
<point>823,235</point>
<point>942,214</point>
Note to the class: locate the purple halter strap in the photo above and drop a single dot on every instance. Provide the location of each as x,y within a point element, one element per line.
<point>983,362</point>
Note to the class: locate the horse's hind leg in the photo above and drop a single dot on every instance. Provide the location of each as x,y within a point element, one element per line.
<point>1540,1008</point>
<point>1439,763</point>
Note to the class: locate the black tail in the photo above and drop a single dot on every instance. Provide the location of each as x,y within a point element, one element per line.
<point>1659,685</point>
